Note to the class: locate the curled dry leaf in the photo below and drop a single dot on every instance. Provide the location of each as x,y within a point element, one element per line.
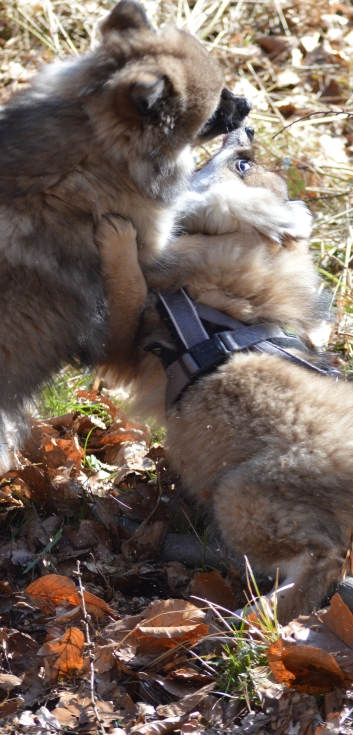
<point>325,661</point>
<point>64,656</point>
<point>310,670</point>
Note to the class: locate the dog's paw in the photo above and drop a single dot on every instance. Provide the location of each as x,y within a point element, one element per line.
<point>275,218</point>
<point>301,223</point>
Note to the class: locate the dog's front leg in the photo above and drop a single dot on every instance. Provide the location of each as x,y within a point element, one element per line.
<point>126,291</point>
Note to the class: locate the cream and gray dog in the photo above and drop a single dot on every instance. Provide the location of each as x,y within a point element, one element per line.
<point>263,445</point>
<point>108,132</point>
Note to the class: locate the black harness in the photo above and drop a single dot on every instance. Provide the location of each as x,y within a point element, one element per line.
<point>205,337</point>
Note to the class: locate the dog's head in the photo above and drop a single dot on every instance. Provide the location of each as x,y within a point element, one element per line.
<point>255,262</point>
<point>233,192</point>
<point>162,86</point>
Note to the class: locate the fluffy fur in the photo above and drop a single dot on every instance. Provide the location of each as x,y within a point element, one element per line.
<point>109,132</point>
<point>263,446</point>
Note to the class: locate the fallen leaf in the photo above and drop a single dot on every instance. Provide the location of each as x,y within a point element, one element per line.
<point>187,704</point>
<point>326,659</point>
<point>212,587</point>
<point>159,727</point>
<point>10,706</point>
<point>310,670</point>
<point>64,656</point>
<point>9,681</point>
<point>50,591</point>
<point>146,542</point>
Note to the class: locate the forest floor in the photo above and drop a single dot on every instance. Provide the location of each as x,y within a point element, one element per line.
<point>115,601</point>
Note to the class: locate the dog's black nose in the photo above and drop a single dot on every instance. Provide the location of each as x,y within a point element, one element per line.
<point>243,105</point>
<point>250,133</point>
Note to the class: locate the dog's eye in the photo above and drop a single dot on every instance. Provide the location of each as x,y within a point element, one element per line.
<point>243,166</point>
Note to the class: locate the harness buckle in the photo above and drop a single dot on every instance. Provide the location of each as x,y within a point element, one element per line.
<point>202,357</point>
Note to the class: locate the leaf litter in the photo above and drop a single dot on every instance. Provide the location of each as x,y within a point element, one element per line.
<point>113,614</point>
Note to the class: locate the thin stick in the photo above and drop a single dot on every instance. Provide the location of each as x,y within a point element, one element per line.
<point>89,646</point>
<point>325,115</point>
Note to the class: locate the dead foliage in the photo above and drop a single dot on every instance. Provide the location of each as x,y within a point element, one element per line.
<point>101,634</point>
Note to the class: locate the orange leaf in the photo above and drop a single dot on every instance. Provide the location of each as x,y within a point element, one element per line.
<point>274,657</point>
<point>339,619</point>
<point>97,607</point>
<point>308,669</point>
<point>48,592</point>
<point>65,654</point>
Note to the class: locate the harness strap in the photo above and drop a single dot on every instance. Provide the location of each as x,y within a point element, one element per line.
<point>183,317</point>
<point>274,349</point>
<point>199,352</point>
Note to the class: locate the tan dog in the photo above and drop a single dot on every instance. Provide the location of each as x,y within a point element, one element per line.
<point>262,445</point>
<point>110,132</point>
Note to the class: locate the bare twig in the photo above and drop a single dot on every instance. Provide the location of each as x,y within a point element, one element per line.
<point>89,647</point>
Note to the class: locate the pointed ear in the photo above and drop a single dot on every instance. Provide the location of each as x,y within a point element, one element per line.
<point>146,93</point>
<point>127,15</point>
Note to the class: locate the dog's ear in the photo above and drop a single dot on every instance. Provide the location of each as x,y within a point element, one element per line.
<point>127,15</point>
<point>147,92</point>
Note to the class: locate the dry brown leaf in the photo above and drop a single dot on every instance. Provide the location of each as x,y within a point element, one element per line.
<point>41,531</point>
<point>190,674</point>
<point>93,396</point>
<point>117,434</point>
<point>21,650</point>
<point>64,656</point>
<point>10,706</point>
<point>211,586</point>
<point>146,542</point>
<point>173,612</point>
<point>310,670</point>
<point>45,447</point>
<point>53,590</point>
<point>339,620</point>
<point>164,625</point>
<point>50,591</point>
<point>326,659</point>
<point>170,686</point>
<point>187,704</point>
<point>89,534</point>
<point>104,659</point>
<point>178,575</point>
<point>159,727</point>
<point>97,607</point>
<point>56,493</point>
<point>9,681</point>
